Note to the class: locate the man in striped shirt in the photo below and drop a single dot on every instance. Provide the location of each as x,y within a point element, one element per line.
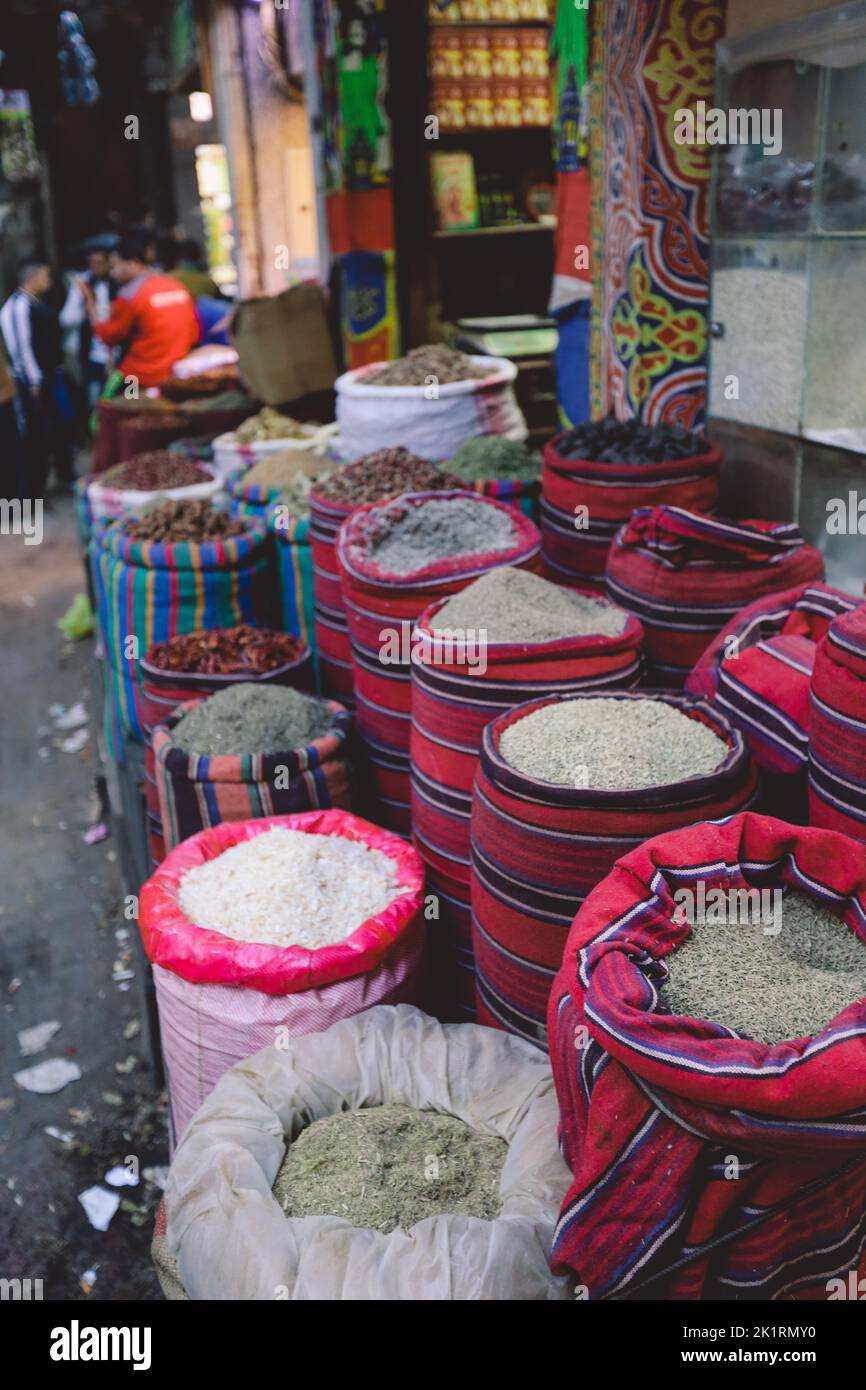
<point>31,333</point>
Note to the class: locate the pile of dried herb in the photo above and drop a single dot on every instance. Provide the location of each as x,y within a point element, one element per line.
<point>184,521</point>
<point>154,471</point>
<point>490,456</point>
<point>248,718</point>
<point>389,1167</point>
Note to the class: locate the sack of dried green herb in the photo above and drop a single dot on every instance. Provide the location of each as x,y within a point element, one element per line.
<point>731,1133</point>
<point>220,1185</point>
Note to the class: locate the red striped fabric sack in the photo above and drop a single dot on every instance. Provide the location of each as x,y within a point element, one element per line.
<point>759,669</point>
<point>454,696</point>
<point>197,792</point>
<point>378,602</point>
<point>654,1105</point>
<point>686,575</point>
<point>149,591</point>
<point>584,503</point>
<point>221,1000</point>
<point>538,850</point>
<point>837,737</point>
<point>163,691</point>
<point>331,633</point>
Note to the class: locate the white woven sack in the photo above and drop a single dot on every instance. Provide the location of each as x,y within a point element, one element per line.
<point>433,427</point>
<point>114,503</point>
<point>231,456</point>
<point>204,1029</point>
<point>218,1196</point>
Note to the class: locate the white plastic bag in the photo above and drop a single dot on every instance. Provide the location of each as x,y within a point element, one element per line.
<point>432,426</point>
<point>230,1238</point>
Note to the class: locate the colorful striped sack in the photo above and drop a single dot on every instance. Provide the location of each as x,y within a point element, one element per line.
<point>686,575</point>
<point>759,669</point>
<point>220,1000</point>
<point>837,736</point>
<point>516,492</point>
<point>197,792</point>
<point>148,591</point>
<point>454,697</point>
<point>198,447</point>
<point>381,609</point>
<point>162,692</point>
<point>654,1106</point>
<point>584,503</point>
<point>539,849</point>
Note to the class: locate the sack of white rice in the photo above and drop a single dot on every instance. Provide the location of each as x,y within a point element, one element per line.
<point>267,929</point>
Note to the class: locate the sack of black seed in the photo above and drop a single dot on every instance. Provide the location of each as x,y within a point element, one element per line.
<point>597,474</point>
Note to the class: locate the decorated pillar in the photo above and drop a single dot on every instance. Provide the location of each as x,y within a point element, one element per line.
<point>651,200</point>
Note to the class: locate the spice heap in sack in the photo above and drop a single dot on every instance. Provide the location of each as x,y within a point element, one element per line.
<point>285,888</point>
<point>508,637</point>
<point>406,541</point>
<point>226,651</point>
<point>709,1050</point>
<point>384,474</point>
<point>375,478</point>
<point>417,1119</point>
<point>420,365</point>
<point>281,925</point>
<point>563,788</point>
<point>246,718</point>
<point>596,475</point>
<point>285,479</point>
<point>388,1167</point>
<point>686,575</point>
<point>183,521</point>
<point>491,456</point>
<point>271,424</point>
<point>395,559</point>
<point>630,441</point>
<point>154,472</point>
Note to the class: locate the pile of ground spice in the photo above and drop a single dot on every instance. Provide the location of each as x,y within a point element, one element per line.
<point>179,520</point>
<point>270,424</point>
<point>226,651</point>
<point>389,1167</point>
<point>410,538</point>
<point>287,888</point>
<point>611,745</point>
<point>289,477</point>
<point>247,718</point>
<point>433,361</point>
<point>769,984</point>
<point>384,474</point>
<point>490,456</point>
<point>154,471</point>
<point>512,605</point>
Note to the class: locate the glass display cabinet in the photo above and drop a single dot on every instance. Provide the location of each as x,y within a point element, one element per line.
<point>788,278</point>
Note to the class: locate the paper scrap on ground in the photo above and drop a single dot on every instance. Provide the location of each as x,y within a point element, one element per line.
<point>32,1040</point>
<point>99,1206</point>
<point>120,1176</point>
<point>73,718</point>
<point>47,1077</point>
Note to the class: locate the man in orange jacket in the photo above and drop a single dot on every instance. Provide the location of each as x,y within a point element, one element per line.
<point>152,318</point>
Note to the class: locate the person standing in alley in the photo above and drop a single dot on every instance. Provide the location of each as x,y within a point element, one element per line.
<point>94,355</point>
<point>152,319</point>
<point>31,332</point>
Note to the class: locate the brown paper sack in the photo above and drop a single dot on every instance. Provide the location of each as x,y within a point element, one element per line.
<point>284,345</point>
